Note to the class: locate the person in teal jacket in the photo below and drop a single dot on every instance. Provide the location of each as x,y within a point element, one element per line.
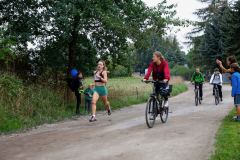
<point>236,89</point>
<point>198,79</point>
<point>88,92</point>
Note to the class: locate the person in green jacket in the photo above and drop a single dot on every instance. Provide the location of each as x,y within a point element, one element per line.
<point>198,79</point>
<point>88,92</point>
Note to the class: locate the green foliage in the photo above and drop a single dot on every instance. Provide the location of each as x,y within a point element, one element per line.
<point>119,71</point>
<point>227,140</point>
<point>168,46</point>
<point>7,55</point>
<point>10,85</point>
<point>182,71</point>
<point>73,33</point>
<point>25,107</point>
<point>220,37</point>
<point>179,88</point>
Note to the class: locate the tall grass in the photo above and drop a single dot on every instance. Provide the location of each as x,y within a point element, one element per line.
<point>23,107</point>
<point>126,91</point>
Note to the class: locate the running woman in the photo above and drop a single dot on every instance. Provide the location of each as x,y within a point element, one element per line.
<point>100,90</point>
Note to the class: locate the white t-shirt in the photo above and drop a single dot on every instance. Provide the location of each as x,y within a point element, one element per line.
<point>216,78</point>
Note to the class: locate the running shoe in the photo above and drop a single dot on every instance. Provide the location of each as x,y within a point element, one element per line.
<point>92,119</point>
<point>166,104</point>
<point>109,111</point>
<point>236,118</point>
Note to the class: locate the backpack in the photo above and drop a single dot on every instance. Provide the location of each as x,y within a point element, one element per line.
<point>216,77</point>
<point>74,84</point>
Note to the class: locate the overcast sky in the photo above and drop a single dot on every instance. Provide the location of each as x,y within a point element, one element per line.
<point>185,9</point>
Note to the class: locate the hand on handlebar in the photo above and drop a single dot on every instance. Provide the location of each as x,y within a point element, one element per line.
<point>165,80</point>
<point>153,81</point>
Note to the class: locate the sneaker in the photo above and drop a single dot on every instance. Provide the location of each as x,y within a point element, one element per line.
<point>92,119</point>
<point>166,104</point>
<point>234,117</point>
<point>237,119</point>
<point>201,98</point>
<point>109,111</point>
<point>221,99</point>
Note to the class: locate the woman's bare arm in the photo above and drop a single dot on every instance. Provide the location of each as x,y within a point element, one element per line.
<point>105,78</point>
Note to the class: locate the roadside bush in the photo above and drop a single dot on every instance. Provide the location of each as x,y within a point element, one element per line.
<point>182,71</point>
<point>119,71</point>
<point>24,107</point>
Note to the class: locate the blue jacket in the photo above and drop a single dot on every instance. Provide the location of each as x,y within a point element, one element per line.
<point>235,83</point>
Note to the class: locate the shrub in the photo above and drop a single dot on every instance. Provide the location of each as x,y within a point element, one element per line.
<point>119,71</point>
<point>182,71</point>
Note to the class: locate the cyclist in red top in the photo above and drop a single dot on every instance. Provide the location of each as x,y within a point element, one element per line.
<point>160,71</point>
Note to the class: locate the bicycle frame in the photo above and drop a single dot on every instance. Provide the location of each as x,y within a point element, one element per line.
<point>197,95</point>
<point>155,107</point>
<point>216,94</point>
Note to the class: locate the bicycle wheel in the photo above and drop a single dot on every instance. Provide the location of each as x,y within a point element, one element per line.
<point>216,97</point>
<point>196,97</point>
<point>199,99</point>
<point>163,113</point>
<point>150,112</point>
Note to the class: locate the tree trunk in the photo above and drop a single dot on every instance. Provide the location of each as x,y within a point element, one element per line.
<point>72,52</point>
<point>72,47</point>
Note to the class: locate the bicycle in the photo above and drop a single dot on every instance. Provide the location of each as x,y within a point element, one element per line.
<point>155,105</point>
<point>216,94</point>
<point>197,95</point>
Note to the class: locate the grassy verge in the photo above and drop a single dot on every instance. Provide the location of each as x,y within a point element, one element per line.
<point>23,107</point>
<point>228,140</point>
<point>139,97</point>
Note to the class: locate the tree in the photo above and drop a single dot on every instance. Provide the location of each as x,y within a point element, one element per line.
<point>169,47</point>
<point>220,35</point>
<point>233,35</point>
<point>105,25</point>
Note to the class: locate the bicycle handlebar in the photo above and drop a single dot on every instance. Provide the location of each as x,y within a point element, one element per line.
<point>153,81</point>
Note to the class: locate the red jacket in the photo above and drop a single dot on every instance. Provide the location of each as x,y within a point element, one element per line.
<point>160,72</point>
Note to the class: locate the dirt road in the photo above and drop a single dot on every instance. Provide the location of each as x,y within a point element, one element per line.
<point>188,134</point>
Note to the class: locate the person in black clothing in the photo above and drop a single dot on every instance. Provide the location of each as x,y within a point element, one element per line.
<point>75,83</point>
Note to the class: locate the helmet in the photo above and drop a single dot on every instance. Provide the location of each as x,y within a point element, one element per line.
<point>74,73</point>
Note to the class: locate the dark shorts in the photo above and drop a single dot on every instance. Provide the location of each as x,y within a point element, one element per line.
<point>237,100</point>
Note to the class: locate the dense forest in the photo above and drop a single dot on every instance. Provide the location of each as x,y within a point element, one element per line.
<point>45,39</point>
<point>216,35</point>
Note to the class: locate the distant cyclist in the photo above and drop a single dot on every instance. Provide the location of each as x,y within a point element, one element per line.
<point>198,79</point>
<point>216,79</point>
<point>160,72</point>
<point>100,90</point>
